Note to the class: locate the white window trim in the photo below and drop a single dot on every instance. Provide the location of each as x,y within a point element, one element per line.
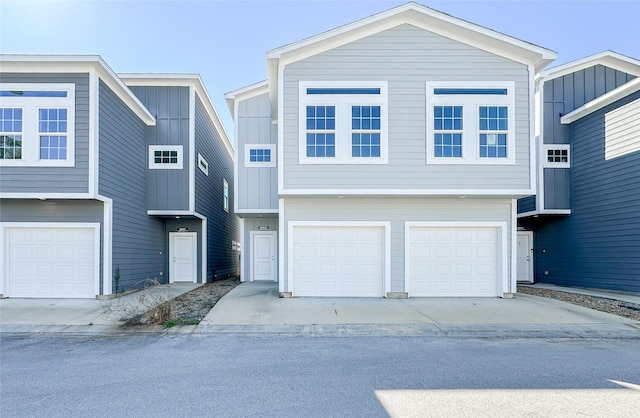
<point>343,103</point>
<point>159,166</point>
<point>547,164</point>
<point>30,131</point>
<point>225,195</point>
<point>204,169</point>
<point>470,120</point>
<point>249,147</point>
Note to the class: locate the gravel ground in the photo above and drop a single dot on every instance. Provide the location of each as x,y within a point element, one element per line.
<point>192,306</point>
<point>612,306</point>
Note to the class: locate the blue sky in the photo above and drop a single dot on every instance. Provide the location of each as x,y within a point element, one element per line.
<point>226,41</point>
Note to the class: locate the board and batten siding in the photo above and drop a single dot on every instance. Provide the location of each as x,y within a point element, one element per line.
<point>397,210</point>
<point>167,189</point>
<point>562,95</point>
<point>54,179</point>
<point>138,240</point>
<point>598,245</point>
<point>54,210</point>
<point>257,186</point>
<point>222,227</point>
<point>407,57</point>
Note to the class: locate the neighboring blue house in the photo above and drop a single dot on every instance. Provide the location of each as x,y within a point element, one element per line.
<point>384,158</point>
<point>107,181</point>
<point>583,226</point>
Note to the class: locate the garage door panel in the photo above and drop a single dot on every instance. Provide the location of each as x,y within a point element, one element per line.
<point>453,261</point>
<point>51,262</point>
<point>338,261</point>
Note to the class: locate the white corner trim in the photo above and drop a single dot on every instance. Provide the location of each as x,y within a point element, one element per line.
<point>242,250</point>
<point>281,246</point>
<point>94,133</point>
<point>602,101</point>
<point>510,286</point>
<point>107,245</point>
<point>192,149</point>
<point>204,249</point>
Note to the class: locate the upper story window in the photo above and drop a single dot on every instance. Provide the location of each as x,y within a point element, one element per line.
<point>556,156</point>
<point>167,157</point>
<point>470,123</point>
<point>37,124</point>
<point>203,165</point>
<point>260,155</point>
<point>225,195</point>
<point>343,123</point>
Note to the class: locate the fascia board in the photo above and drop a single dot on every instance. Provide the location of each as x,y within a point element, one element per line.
<point>77,64</point>
<point>244,93</point>
<point>607,58</point>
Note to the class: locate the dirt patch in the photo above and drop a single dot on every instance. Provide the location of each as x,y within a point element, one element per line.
<point>612,306</point>
<point>186,309</point>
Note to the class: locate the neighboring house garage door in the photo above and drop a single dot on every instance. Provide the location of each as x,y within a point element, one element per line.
<point>338,261</point>
<point>51,262</point>
<point>453,261</point>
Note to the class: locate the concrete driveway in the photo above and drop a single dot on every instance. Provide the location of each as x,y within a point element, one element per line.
<point>256,307</point>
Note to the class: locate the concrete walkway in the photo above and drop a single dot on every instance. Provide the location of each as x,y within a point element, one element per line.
<point>80,315</point>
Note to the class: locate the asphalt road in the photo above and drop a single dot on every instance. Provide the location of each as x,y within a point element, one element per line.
<point>221,375</point>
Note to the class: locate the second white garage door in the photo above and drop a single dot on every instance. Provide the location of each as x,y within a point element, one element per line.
<point>338,261</point>
<point>52,262</point>
<point>453,261</point>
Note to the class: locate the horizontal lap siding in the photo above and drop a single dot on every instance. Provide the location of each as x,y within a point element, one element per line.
<point>406,57</point>
<point>397,211</point>
<point>222,227</point>
<point>527,204</point>
<point>54,179</point>
<point>138,239</point>
<point>598,245</point>
<point>257,186</point>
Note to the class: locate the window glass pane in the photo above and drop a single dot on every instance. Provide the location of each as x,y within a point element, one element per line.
<point>343,91</point>
<point>446,91</point>
<point>33,93</point>
<point>493,121</point>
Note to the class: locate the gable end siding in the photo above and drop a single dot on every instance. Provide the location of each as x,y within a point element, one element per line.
<point>222,227</point>
<point>54,179</point>
<point>407,57</point>
<point>167,189</point>
<point>138,239</point>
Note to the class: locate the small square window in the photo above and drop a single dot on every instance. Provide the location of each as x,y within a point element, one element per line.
<point>165,157</point>
<point>260,155</point>
<point>556,156</point>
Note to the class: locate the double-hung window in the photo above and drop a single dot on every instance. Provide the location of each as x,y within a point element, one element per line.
<point>343,123</point>
<point>470,123</point>
<point>37,124</point>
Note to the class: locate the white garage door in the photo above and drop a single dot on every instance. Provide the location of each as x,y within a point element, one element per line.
<point>53,262</point>
<point>453,261</point>
<point>338,261</point>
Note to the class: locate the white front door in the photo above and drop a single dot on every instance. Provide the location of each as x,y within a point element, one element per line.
<point>183,257</point>
<point>525,257</point>
<point>263,256</point>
